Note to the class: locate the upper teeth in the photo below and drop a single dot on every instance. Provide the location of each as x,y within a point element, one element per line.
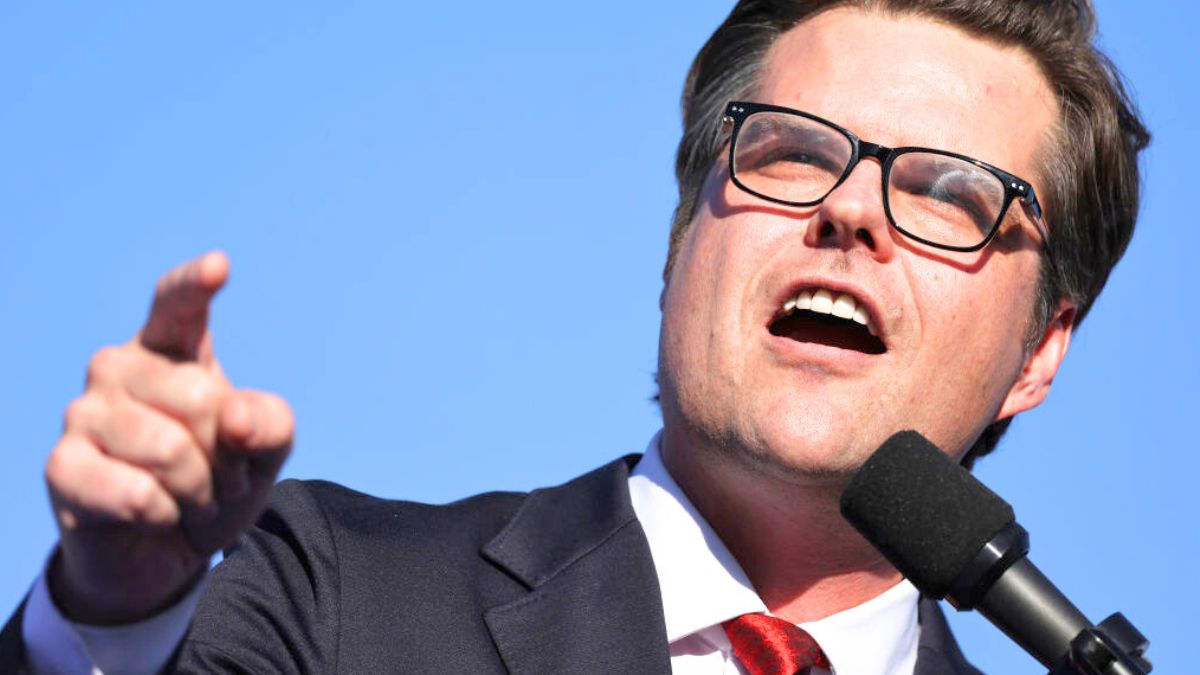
<point>822,301</point>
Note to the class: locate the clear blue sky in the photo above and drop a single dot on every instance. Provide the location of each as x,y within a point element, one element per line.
<point>447,223</point>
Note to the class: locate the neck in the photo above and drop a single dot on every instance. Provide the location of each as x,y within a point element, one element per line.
<point>805,561</point>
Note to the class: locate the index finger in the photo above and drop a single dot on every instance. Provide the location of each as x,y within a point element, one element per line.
<point>178,320</point>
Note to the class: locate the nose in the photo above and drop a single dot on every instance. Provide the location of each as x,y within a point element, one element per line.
<point>852,216</point>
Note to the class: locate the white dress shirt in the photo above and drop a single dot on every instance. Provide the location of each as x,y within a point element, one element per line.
<point>703,585</point>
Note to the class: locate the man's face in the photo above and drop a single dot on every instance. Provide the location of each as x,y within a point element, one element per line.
<point>952,324</point>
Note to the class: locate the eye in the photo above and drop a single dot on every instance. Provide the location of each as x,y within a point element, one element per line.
<point>808,157</point>
<point>789,157</point>
<point>961,190</point>
<point>947,189</point>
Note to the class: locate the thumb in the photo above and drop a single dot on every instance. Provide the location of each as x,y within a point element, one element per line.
<point>254,436</point>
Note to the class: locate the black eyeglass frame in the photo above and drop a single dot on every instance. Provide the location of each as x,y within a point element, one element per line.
<point>737,112</point>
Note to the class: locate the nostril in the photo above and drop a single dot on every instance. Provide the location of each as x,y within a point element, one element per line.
<point>865,237</point>
<point>827,230</point>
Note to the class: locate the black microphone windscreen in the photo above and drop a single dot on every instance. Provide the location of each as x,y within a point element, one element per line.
<point>927,515</point>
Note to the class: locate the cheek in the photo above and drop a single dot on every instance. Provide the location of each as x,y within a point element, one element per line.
<point>723,250</point>
<point>974,326</point>
<point>707,327</point>
<point>690,309</point>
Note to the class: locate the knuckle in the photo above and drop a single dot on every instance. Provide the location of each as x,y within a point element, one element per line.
<point>65,471</point>
<point>79,413</point>
<point>200,397</point>
<point>169,446</point>
<point>105,365</point>
<point>127,432</point>
<point>59,464</point>
<point>141,494</point>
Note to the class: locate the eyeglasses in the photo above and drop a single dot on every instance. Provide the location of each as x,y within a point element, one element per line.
<point>938,198</point>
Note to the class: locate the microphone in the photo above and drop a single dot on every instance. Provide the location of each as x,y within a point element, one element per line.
<point>954,538</point>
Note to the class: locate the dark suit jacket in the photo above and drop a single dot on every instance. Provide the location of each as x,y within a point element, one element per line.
<point>556,581</point>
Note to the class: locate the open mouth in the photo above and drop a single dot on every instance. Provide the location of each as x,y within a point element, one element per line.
<point>820,316</point>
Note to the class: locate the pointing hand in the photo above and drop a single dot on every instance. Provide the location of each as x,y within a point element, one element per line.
<point>161,462</point>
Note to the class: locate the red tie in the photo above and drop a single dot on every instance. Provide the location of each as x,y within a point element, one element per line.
<point>769,646</point>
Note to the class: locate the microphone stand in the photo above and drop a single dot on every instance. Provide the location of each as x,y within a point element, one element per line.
<point>1114,647</point>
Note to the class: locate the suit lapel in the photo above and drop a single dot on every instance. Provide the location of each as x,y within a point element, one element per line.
<point>593,603</point>
<point>937,651</point>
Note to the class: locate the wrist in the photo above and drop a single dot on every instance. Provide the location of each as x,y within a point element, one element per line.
<point>85,597</point>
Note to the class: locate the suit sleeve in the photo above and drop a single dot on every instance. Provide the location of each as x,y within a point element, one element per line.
<point>272,606</point>
<point>40,640</point>
<point>12,646</point>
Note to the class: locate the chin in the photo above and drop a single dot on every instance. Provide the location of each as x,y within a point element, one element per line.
<point>808,447</point>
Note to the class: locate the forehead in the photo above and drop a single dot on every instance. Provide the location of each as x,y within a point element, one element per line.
<point>908,80</point>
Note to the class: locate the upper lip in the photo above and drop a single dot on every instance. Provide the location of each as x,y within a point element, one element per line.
<point>860,295</point>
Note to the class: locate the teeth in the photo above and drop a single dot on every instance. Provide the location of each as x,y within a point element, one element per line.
<point>843,307</point>
<point>822,301</point>
<point>860,316</point>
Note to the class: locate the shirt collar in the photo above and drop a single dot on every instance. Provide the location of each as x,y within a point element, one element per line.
<point>878,636</point>
<point>702,584</point>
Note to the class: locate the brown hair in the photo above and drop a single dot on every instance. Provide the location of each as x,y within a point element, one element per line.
<point>1088,176</point>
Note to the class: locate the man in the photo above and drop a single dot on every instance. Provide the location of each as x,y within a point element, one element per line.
<point>888,220</point>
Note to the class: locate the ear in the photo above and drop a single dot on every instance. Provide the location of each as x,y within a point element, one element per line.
<point>662,295</point>
<point>1041,364</point>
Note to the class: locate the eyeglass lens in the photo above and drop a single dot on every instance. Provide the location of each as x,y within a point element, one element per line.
<point>941,199</point>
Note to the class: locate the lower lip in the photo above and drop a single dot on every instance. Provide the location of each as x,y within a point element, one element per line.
<point>797,353</point>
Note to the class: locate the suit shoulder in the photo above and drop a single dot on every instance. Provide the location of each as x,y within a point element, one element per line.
<point>356,514</point>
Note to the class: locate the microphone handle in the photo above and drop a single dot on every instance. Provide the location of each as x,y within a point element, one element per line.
<point>1033,612</point>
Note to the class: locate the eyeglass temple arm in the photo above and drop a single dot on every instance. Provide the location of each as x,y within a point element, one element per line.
<point>1033,209</point>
